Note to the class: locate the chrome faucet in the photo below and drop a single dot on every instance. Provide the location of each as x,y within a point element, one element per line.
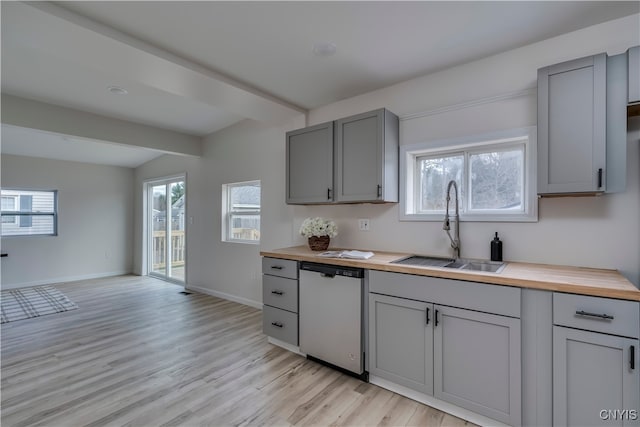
<point>455,243</point>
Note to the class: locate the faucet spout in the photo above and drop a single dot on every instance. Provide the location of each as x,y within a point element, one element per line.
<point>455,242</point>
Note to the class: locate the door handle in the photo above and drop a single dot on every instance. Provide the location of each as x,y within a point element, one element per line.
<point>632,356</point>
<point>379,190</point>
<point>277,292</point>
<point>427,315</point>
<point>436,319</point>
<point>600,178</point>
<point>328,194</point>
<point>277,324</point>
<point>599,316</point>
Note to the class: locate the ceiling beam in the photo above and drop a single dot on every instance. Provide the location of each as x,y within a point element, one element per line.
<point>62,120</point>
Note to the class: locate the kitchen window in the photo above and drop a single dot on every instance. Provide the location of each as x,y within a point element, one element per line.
<point>494,173</point>
<point>29,213</point>
<point>241,212</point>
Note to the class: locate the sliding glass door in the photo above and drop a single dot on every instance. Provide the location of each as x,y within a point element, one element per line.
<point>166,247</point>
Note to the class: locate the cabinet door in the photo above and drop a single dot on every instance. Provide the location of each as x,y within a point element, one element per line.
<point>592,372</point>
<point>401,341</point>
<point>572,126</point>
<point>310,165</point>
<point>477,362</point>
<point>634,74</point>
<point>359,153</point>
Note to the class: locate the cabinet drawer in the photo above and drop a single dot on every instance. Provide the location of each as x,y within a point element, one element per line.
<point>609,316</point>
<point>280,292</point>
<point>280,267</point>
<point>280,324</point>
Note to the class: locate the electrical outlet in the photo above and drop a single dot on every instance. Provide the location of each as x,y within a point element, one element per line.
<point>363,224</point>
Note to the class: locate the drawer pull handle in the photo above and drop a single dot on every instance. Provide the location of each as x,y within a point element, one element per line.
<point>277,292</point>
<point>277,324</point>
<point>276,267</point>
<point>599,316</point>
<point>632,356</point>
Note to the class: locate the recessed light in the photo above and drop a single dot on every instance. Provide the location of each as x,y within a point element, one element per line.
<point>117,90</point>
<point>324,48</point>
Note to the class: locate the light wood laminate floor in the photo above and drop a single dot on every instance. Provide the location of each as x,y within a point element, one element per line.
<point>137,352</point>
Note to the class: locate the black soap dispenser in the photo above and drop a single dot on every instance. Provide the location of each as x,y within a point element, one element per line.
<point>496,249</point>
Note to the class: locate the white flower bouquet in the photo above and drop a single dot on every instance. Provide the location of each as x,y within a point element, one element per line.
<point>318,227</point>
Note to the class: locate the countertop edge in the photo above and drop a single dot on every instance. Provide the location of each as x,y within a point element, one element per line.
<point>515,274</point>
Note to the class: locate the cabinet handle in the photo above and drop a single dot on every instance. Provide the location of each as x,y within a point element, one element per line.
<point>277,292</point>
<point>379,190</point>
<point>436,319</point>
<point>599,316</point>
<point>276,267</point>
<point>328,194</point>
<point>600,178</point>
<point>277,324</point>
<point>632,355</point>
<point>427,315</point>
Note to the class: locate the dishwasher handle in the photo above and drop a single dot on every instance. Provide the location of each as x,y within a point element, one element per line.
<point>330,270</point>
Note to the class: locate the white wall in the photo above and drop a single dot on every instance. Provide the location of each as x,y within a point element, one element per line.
<point>243,152</point>
<point>95,222</point>
<point>593,232</point>
<point>598,231</point>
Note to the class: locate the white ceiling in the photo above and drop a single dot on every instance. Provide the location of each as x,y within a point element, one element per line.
<point>197,67</point>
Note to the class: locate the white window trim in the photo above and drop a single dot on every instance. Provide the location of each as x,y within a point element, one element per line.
<point>18,214</point>
<point>16,219</point>
<point>469,144</point>
<point>227,217</point>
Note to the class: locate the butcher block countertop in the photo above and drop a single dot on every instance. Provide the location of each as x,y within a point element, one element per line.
<point>574,280</point>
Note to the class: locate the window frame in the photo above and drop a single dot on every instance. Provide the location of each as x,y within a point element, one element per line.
<point>467,146</point>
<point>15,219</point>
<point>228,215</point>
<point>17,213</point>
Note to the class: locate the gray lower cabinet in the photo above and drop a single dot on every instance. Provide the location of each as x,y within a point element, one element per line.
<point>309,168</point>
<point>280,299</point>
<point>595,379</point>
<point>477,362</point>
<point>460,355</point>
<point>401,341</point>
<point>595,361</point>
<point>572,122</point>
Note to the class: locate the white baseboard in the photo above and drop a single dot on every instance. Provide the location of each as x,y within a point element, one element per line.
<point>57,280</point>
<point>449,408</point>
<point>286,346</point>
<point>223,295</point>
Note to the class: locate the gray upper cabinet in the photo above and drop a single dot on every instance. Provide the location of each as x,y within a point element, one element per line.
<point>633,56</point>
<point>366,161</point>
<point>310,165</point>
<point>572,126</point>
<point>477,362</point>
<point>359,154</point>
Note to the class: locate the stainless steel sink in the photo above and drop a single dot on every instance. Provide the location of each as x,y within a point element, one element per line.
<point>424,261</point>
<point>460,264</point>
<point>489,266</point>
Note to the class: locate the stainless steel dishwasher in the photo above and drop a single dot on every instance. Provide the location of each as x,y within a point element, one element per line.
<point>331,314</point>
